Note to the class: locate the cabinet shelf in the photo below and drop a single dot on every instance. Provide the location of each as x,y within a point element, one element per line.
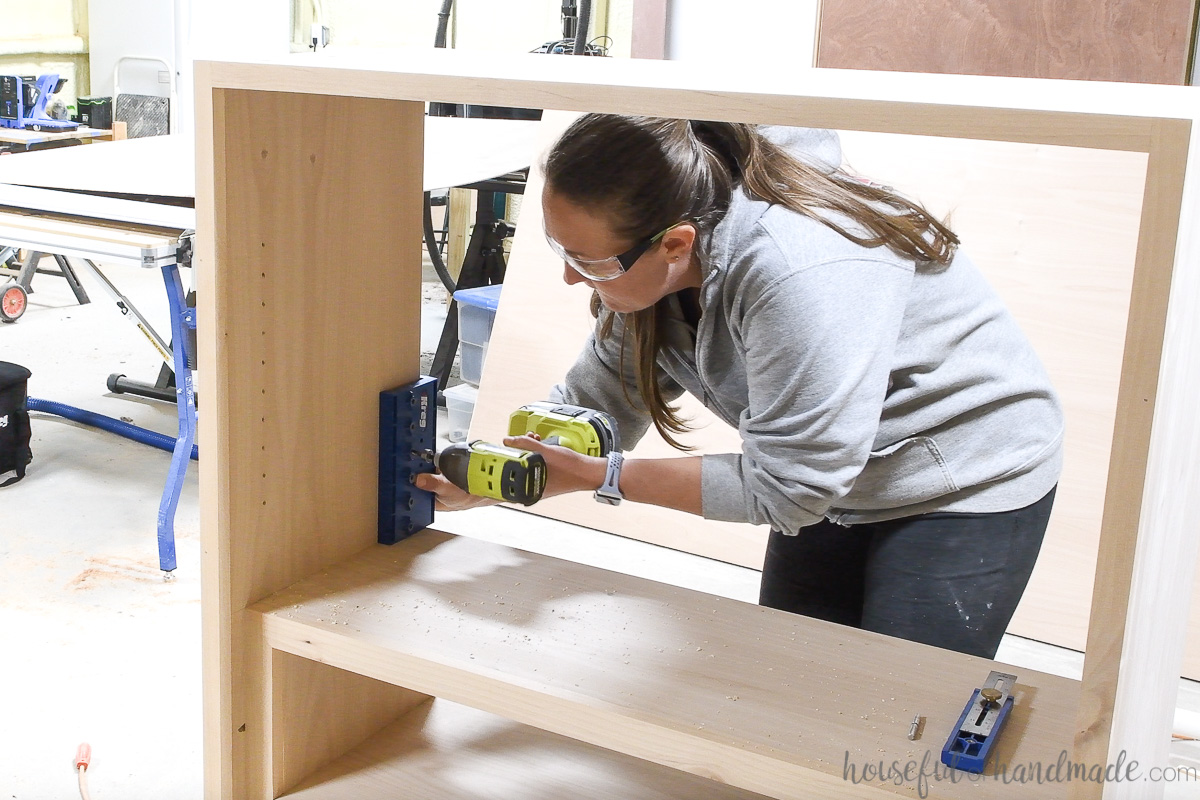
<point>449,751</point>
<point>719,688</point>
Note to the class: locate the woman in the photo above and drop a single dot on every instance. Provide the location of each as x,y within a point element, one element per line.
<point>898,433</point>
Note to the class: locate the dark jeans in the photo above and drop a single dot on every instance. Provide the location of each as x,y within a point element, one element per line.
<point>949,580</point>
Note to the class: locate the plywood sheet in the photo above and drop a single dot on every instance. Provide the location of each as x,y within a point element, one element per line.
<point>753,697</point>
<point>453,752</point>
<point>458,151</point>
<point>159,166</point>
<point>1055,231</point>
<point>1110,40</point>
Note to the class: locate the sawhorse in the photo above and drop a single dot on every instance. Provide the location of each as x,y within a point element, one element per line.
<point>75,242</point>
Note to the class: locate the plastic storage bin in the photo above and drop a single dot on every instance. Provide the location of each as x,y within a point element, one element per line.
<point>460,404</point>
<point>476,313</point>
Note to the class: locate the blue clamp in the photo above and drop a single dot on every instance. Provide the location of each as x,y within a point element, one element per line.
<point>979,727</point>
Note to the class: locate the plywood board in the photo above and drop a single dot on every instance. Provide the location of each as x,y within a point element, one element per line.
<point>453,752</point>
<point>1043,222</point>
<point>1109,40</point>
<point>160,166</point>
<point>287,199</point>
<point>459,151</point>
<point>748,696</point>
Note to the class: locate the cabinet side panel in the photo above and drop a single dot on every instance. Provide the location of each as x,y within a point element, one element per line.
<point>214,588</point>
<point>318,287</point>
<point>1131,545</point>
<point>318,713</point>
<point>309,263</point>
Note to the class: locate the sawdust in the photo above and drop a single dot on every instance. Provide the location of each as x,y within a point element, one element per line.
<point>111,569</point>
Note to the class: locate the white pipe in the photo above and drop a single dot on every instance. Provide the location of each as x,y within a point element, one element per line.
<point>182,111</point>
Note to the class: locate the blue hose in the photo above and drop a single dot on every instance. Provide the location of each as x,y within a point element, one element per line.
<point>159,440</point>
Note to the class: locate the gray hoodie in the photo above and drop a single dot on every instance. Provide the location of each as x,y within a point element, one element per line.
<point>864,387</point>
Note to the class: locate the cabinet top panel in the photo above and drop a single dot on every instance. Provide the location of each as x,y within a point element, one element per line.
<point>1078,113</point>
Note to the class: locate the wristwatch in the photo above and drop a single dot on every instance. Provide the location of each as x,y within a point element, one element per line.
<point>610,492</point>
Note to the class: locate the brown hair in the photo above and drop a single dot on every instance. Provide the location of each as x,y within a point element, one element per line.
<point>644,174</point>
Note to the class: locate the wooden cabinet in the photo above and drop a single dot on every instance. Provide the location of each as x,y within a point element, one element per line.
<point>322,649</point>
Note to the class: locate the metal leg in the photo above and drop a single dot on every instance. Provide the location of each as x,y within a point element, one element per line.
<point>130,312</point>
<point>28,269</point>
<point>72,280</point>
<point>182,319</point>
<point>483,265</point>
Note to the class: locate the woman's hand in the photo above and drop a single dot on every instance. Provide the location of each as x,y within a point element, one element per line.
<point>566,470</point>
<point>449,497</point>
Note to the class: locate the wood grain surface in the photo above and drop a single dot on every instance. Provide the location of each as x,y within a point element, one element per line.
<point>1103,40</point>
<point>743,695</point>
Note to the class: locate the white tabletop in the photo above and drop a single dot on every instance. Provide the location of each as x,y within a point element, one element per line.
<point>457,152</point>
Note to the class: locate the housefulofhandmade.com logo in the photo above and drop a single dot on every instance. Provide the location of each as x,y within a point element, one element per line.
<point>931,770</point>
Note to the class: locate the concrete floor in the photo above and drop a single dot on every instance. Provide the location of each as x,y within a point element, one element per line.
<point>96,647</point>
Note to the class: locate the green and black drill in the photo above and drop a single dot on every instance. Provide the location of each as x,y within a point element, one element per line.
<point>506,473</point>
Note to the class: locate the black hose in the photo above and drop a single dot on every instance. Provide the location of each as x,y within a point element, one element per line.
<point>581,32</point>
<point>435,256</point>
<point>439,40</point>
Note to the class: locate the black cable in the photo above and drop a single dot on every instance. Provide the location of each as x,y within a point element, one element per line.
<point>435,257</point>
<point>581,32</point>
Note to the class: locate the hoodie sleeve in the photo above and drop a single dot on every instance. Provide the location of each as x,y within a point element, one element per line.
<point>819,147</point>
<point>819,337</point>
<point>601,379</point>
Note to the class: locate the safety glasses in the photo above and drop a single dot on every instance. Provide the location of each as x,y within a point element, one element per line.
<point>606,269</point>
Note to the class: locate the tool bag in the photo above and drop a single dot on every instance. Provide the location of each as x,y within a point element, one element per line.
<point>14,421</point>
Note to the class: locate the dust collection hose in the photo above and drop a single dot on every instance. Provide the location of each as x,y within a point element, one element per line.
<point>159,440</point>
<point>439,39</point>
<point>581,32</point>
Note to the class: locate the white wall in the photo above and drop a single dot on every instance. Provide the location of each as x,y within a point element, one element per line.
<point>131,28</point>
<point>747,35</point>
<point>44,37</point>
<point>477,25</point>
<point>218,29</point>
<point>32,22</point>
<point>239,28</point>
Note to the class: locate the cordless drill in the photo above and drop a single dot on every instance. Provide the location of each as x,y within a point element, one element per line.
<point>506,473</point>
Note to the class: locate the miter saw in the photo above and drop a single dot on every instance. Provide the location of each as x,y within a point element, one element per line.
<point>23,103</point>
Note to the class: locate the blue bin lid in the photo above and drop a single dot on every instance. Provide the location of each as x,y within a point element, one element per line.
<point>484,297</point>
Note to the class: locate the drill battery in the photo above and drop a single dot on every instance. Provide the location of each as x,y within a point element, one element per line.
<point>584,430</point>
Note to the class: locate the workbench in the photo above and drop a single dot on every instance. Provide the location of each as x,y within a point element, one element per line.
<point>20,139</point>
<point>323,650</point>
